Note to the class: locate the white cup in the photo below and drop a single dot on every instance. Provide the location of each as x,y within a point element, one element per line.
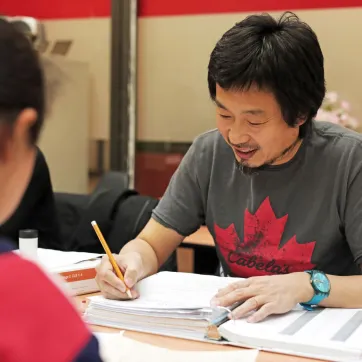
<point>28,243</point>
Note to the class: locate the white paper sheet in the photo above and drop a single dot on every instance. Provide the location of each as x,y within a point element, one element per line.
<point>168,290</point>
<point>53,259</point>
<point>333,334</point>
<point>115,347</point>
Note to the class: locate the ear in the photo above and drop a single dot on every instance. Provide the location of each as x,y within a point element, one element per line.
<point>13,134</point>
<point>24,122</point>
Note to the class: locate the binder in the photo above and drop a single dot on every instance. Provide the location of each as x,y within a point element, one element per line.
<point>178,305</point>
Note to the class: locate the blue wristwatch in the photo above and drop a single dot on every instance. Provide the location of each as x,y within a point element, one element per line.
<point>322,287</point>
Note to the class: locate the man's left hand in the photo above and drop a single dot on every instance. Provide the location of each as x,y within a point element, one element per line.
<point>265,295</point>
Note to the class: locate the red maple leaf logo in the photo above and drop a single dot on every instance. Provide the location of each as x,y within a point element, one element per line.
<point>259,253</point>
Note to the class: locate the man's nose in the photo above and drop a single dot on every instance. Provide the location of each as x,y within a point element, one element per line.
<point>238,133</point>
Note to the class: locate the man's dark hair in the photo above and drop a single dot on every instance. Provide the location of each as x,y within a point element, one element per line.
<point>21,78</point>
<point>281,56</point>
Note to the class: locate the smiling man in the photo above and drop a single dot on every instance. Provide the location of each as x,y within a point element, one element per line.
<point>280,193</point>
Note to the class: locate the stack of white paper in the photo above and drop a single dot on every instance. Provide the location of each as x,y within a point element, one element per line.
<point>169,303</point>
<point>177,304</point>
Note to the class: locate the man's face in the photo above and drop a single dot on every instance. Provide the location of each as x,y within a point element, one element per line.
<point>252,124</point>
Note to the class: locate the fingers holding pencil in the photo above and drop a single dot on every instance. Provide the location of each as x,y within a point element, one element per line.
<point>109,275</point>
<point>111,286</point>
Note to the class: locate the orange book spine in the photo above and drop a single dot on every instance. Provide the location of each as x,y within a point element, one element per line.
<point>78,275</point>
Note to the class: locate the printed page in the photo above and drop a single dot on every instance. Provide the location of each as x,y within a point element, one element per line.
<point>340,328</point>
<point>116,348</point>
<point>167,290</point>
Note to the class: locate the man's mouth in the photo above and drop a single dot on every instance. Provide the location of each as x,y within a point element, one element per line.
<point>245,154</point>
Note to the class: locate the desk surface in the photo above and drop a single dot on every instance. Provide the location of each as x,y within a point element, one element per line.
<point>183,344</point>
<point>200,237</point>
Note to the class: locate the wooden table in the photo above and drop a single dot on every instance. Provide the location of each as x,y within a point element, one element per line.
<point>188,345</point>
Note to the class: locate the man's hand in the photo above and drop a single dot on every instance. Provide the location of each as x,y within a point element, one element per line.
<point>265,295</point>
<point>110,285</point>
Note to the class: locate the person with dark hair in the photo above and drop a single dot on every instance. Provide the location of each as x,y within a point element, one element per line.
<point>38,322</point>
<point>280,193</point>
<point>27,193</point>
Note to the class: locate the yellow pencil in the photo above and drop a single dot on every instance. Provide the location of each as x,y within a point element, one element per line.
<point>110,255</point>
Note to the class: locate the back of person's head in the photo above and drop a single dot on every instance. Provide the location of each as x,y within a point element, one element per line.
<point>281,56</point>
<point>21,84</point>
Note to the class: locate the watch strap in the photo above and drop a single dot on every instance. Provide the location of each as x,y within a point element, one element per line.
<point>317,298</point>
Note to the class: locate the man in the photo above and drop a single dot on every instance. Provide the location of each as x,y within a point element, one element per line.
<point>37,321</point>
<point>280,193</point>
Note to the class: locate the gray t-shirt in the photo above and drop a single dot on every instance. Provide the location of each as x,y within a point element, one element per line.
<point>304,214</point>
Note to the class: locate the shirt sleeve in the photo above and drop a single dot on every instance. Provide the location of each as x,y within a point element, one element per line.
<point>353,207</point>
<point>181,208</point>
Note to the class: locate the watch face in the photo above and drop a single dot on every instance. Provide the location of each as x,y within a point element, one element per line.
<point>321,282</point>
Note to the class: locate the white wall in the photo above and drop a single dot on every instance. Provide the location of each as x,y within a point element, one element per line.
<point>65,138</point>
<point>173,53</point>
<point>91,44</point>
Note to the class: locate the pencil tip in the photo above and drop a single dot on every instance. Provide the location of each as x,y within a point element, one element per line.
<point>129,294</point>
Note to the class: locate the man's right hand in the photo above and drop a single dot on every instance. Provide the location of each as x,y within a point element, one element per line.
<point>110,285</point>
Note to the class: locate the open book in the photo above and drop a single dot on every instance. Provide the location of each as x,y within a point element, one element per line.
<point>178,304</point>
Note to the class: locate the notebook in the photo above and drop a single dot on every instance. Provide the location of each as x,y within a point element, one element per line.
<point>178,304</point>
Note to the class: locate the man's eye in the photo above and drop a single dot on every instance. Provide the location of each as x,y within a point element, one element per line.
<point>255,124</point>
<point>224,116</point>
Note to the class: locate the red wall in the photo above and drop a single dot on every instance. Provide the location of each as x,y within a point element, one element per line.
<point>65,9</point>
<point>153,171</point>
<point>188,7</point>
<point>56,9</point>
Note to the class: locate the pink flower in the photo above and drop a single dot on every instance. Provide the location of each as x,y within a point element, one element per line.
<point>322,115</point>
<point>331,97</point>
<point>346,106</point>
<point>337,112</point>
<point>344,117</point>
<point>353,123</point>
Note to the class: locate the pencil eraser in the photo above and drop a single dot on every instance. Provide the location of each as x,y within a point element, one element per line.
<point>93,223</point>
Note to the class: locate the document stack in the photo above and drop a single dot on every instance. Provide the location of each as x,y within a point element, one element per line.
<point>178,305</point>
<point>169,303</point>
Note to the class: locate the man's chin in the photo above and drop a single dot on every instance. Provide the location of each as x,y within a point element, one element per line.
<point>248,166</point>
<point>248,163</point>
